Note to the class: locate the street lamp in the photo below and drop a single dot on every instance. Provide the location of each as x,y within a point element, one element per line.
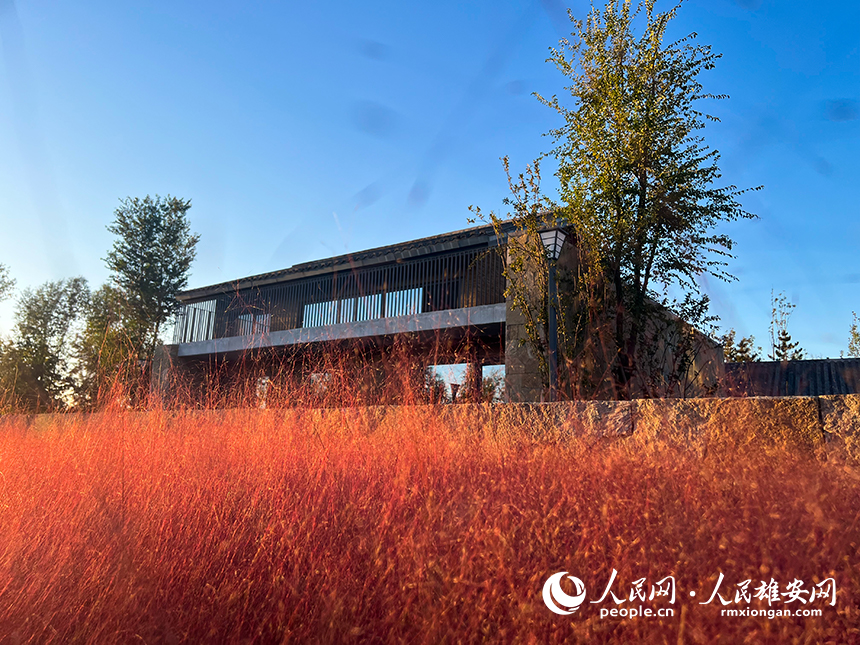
<point>553,240</point>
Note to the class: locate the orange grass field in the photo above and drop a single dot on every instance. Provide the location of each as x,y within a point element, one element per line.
<point>250,526</point>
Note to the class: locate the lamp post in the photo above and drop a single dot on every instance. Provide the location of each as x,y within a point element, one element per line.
<point>553,240</point>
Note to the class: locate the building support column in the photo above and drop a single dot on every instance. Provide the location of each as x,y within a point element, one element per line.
<point>476,380</point>
<point>523,382</point>
<point>165,376</point>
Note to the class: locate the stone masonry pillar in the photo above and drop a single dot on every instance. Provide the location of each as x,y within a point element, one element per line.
<point>166,368</point>
<point>523,381</point>
<point>476,384</point>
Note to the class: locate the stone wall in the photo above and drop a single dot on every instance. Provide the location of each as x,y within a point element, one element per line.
<point>525,381</point>
<point>826,426</point>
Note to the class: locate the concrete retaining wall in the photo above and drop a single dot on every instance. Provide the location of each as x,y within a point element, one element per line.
<point>822,425</point>
<point>826,425</point>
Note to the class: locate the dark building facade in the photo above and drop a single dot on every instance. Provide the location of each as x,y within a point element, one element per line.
<point>441,297</point>
<point>794,378</point>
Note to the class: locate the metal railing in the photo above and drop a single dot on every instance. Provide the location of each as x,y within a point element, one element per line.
<point>448,281</point>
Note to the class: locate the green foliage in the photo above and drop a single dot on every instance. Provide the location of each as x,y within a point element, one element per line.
<point>637,182</point>
<point>52,361</point>
<point>36,366</point>
<point>782,348</point>
<point>493,388</point>
<point>524,258</point>
<point>639,195</point>
<point>6,283</point>
<point>9,376</point>
<point>105,348</point>
<point>150,262</point>
<point>744,351</point>
<point>785,350</point>
<point>854,338</point>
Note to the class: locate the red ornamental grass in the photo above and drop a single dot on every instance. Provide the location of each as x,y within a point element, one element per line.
<point>301,526</point>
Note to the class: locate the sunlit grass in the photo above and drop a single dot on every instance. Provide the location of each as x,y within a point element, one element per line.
<point>397,526</point>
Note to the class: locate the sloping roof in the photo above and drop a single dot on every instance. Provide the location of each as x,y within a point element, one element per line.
<point>794,378</point>
<point>470,237</point>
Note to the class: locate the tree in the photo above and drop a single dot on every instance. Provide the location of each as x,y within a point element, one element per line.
<point>435,390</point>
<point>492,387</point>
<point>782,349</point>
<point>744,351</point>
<point>9,373</point>
<point>524,258</point>
<point>638,186</point>
<point>6,283</point>
<point>639,196</point>
<point>854,338</point>
<point>104,350</point>
<point>150,262</point>
<point>37,363</point>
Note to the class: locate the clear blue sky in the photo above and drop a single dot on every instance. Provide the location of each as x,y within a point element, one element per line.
<point>303,130</point>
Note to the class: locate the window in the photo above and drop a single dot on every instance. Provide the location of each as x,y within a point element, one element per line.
<point>250,324</point>
<point>405,302</point>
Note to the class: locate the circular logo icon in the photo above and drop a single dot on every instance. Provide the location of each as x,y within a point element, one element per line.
<point>557,600</point>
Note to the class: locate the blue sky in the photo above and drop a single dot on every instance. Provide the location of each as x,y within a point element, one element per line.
<point>303,130</point>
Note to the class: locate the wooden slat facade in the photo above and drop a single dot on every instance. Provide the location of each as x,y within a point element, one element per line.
<point>449,280</point>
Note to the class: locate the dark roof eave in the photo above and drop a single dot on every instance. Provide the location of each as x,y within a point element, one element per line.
<point>465,238</point>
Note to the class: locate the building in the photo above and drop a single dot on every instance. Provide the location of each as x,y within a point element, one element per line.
<point>442,298</point>
<point>819,377</point>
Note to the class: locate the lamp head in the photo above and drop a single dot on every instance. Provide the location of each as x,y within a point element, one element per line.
<point>553,240</point>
